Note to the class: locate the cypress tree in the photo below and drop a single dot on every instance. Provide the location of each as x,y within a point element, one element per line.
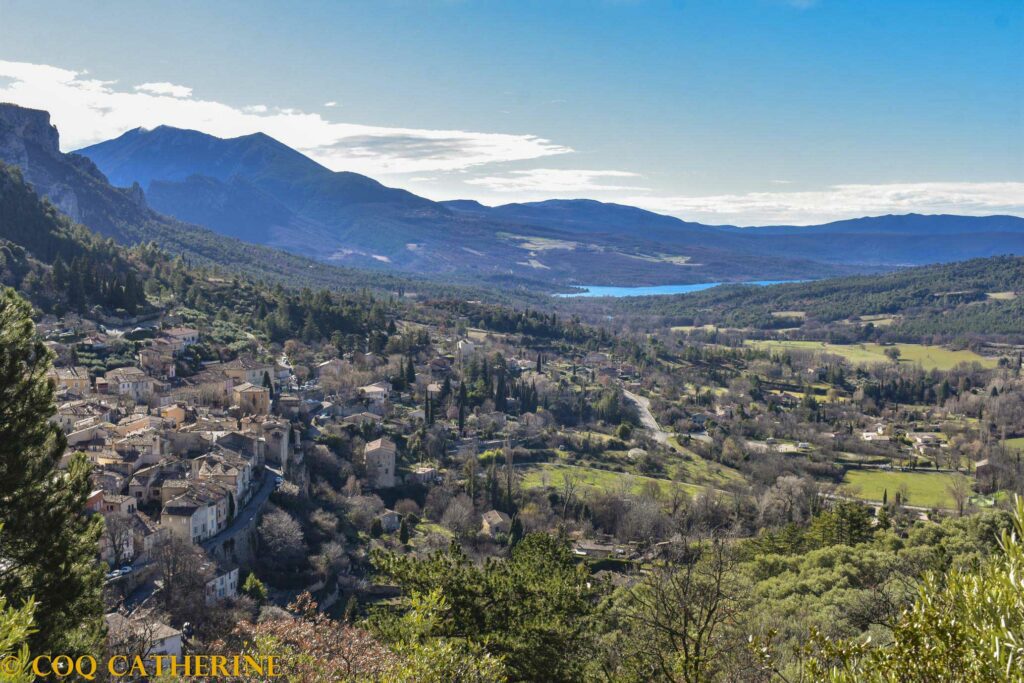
<point>516,531</point>
<point>410,373</point>
<point>462,406</point>
<point>49,547</point>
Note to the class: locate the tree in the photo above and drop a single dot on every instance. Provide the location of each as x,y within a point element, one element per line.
<point>515,533</point>
<point>376,528</point>
<point>184,571</point>
<point>255,589</point>
<point>462,406</point>
<point>675,619</point>
<point>964,626</point>
<point>311,648</point>
<point>403,531</point>
<point>535,611</point>
<point>845,523</point>
<point>15,628</point>
<point>410,373</point>
<point>48,546</point>
<point>960,490</point>
<point>119,532</point>
<point>281,540</point>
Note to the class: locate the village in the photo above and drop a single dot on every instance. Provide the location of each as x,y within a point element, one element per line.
<point>187,453</point>
<point>291,463</point>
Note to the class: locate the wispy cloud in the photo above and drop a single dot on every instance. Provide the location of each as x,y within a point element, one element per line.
<point>89,110</point>
<point>332,103</point>
<point>841,201</point>
<point>555,181</point>
<point>164,89</point>
<point>460,164</point>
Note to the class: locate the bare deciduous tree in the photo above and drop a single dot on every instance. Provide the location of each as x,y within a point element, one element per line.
<point>119,530</point>
<point>677,619</point>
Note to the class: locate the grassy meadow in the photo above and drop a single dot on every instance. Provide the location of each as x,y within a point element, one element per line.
<point>929,357</point>
<point>925,489</point>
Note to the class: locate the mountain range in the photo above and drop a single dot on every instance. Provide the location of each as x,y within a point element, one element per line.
<point>75,186</point>
<point>257,190</point>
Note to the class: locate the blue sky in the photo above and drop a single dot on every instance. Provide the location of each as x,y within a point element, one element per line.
<point>747,112</point>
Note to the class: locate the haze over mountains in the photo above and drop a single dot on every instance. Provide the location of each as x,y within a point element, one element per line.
<point>257,189</point>
<point>77,188</point>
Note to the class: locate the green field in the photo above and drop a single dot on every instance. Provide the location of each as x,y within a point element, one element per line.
<point>1016,444</point>
<point>930,357</point>
<point>924,489</point>
<point>692,467</point>
<point>594,478</point>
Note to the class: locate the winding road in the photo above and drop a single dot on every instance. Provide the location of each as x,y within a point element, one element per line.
<point>643,405</point>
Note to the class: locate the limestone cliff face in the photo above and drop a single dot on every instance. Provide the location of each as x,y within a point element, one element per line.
<point>71,182</point>
<point>29,141</point>
<point>20,127</point>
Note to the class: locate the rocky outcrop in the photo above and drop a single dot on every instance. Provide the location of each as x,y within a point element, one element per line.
<point>71,182</point>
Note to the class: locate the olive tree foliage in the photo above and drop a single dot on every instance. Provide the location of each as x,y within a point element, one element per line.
<point>535,612</point>
<point>965,625</point>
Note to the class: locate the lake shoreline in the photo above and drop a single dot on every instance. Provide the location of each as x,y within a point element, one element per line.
<point>597,291</point>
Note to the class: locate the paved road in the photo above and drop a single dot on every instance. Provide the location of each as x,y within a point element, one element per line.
<point>643,405</point>
<point>246,515</point>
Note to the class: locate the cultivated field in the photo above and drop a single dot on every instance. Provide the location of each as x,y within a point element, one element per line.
<point>929,357</point>
<point>552,474</point>
<point>923,488</point>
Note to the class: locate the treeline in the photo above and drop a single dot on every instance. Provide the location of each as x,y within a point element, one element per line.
<point>949,299</point>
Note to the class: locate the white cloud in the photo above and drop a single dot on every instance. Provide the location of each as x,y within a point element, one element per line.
<point>164,89</point>
<point>842,201</point>
<point>88,110</point>
<point>332,103</point>
<point>555,181</point>
<point>446,163</point>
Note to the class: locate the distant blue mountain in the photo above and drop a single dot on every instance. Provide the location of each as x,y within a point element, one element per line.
<point>258,189</point>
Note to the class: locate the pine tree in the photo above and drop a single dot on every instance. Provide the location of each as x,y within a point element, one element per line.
<point>310,332</point>
<point>255,589</point>
<point>48,546</point>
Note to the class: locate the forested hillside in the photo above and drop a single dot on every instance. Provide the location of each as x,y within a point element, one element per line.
<point>976,297</point>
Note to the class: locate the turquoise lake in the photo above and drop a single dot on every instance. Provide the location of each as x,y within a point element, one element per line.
<point>589,290</point>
